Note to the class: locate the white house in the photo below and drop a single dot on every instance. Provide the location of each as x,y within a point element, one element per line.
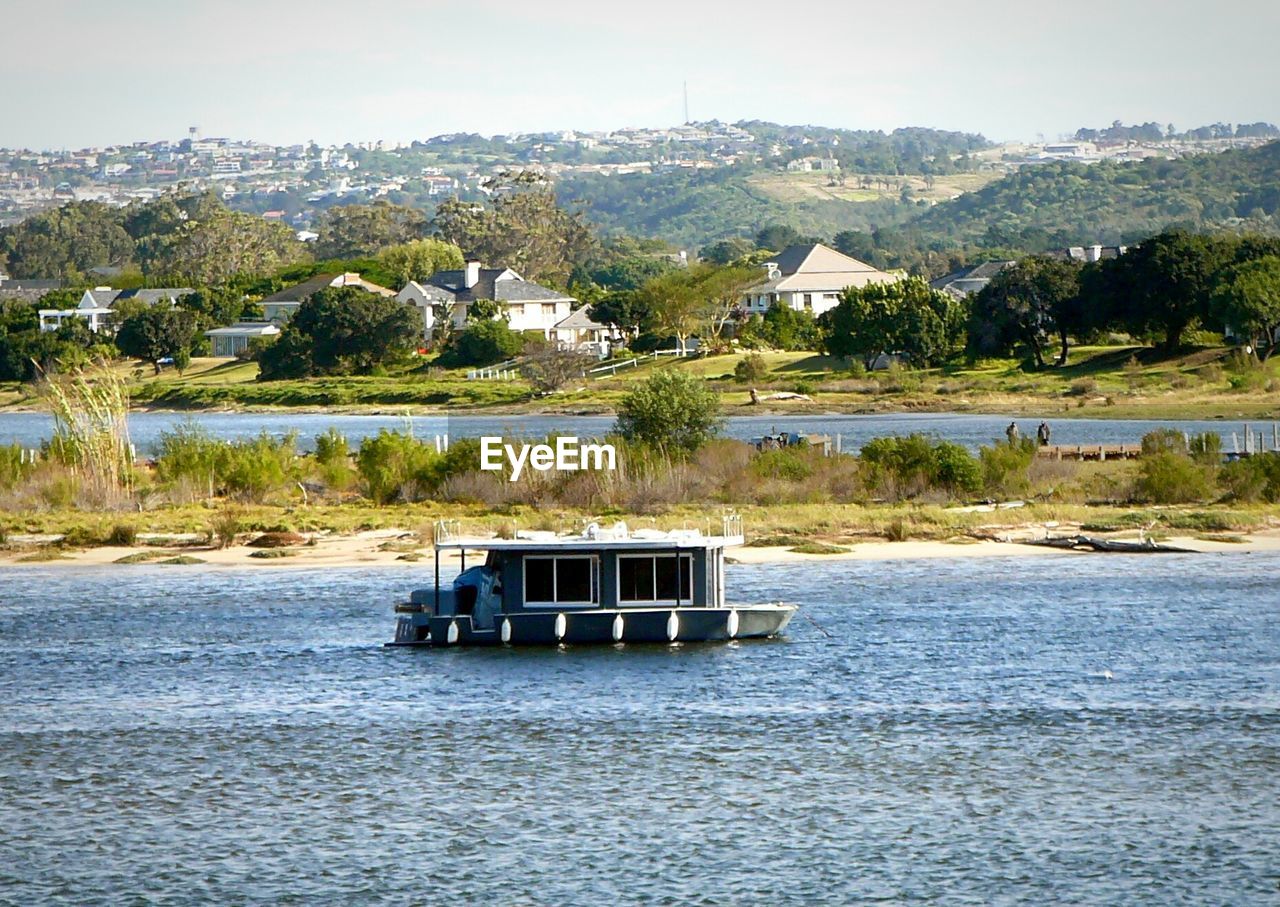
<point>810,278</point>
<point>231,341</point>
<point>578,331</point>
<point>527,306</point>
<point>98,306</point>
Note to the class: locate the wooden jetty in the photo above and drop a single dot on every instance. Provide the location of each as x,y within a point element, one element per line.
<point>1090,452</point>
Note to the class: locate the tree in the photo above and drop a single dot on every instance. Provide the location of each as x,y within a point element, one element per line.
<point>157,332</point>
<point>341,331</point>
<point>353,231</point>
<point>671,411</point>
<point>66,242</point>
<point>220,246</point>
<point>907,317</point>
<point>549,367</point>
<point>524,229</point>
<point>626,310</point>
<point>1162,284</point>
<point>483,342</point>
<point>724,251</point>
<point>721,290</point>
<point>419,259</point>
<point>1027,303</point>
<point>1246,298</point>
<point>674,304</point>
<point>776,237</point>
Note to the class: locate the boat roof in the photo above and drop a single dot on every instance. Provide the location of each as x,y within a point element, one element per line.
<point>594,539</point>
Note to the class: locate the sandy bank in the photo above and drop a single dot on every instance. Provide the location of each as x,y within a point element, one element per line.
<point>396,548</point>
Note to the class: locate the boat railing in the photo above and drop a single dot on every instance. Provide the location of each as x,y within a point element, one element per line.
<point>446,531</point>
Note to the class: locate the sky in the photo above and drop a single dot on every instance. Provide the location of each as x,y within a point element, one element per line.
<point>80,73</point>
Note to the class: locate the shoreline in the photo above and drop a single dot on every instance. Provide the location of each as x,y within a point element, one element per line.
<point>397,548</point>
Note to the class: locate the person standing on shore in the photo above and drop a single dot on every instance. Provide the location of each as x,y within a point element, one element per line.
<point>1012,433</point>
<point>1042,434</point>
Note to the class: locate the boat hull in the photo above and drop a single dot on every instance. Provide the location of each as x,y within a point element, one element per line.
<point>597,626</point>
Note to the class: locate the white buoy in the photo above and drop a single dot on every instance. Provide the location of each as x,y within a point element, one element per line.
<point>452,636</point>
<point>562,624</point>
<point>731,625</point>
<point>618,627</point>
<point>1107,675</point>
<point>506,630</point>
<point>673,626</point>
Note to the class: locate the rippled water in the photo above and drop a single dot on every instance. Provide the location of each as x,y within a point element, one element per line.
<point>972,430</point>
<point>240,736</point>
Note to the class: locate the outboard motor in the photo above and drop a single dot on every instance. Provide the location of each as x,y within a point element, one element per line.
<point>478,592</point>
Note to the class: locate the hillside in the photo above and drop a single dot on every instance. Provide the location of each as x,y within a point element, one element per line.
<point>1110,203</point>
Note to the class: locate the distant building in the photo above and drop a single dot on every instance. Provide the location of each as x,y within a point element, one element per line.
<point>449,294</point>
<point>1087,254</point>
<point>231,341</point>
<point>99,306</point>
<point>807,164</point>
<point>279,307</point>
<point>969,280</point>
<point>810,278</point>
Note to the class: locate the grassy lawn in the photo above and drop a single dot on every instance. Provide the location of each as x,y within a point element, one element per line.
<point>1098,382</point>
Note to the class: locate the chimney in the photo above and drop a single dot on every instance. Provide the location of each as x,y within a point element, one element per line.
<point>1095,253</point>
<point>771,267</point>
<point>471,276</point>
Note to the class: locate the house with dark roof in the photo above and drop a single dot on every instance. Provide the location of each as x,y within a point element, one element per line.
<point>99,306</point>
<point>449,294</point>
<point>810,278</point>
<point>969,280</point>
<point>279,307</point>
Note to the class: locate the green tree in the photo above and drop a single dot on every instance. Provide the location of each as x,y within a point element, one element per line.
<point>353,231</point>
<point>626,310</point>
<point>483,343</point>
<point>1246,298</point>
<point>341,331</point>
<point>1163,284</point>
<point>220,246</point>
<point>724,251</point>
<point>1028,303</point>
<point>906,317</point>
<point>525,229</point>
<point>548,367</point>
<point>66,242</point>
<point>157,332</point>
<point>419,259</point>
<point>671,411</point>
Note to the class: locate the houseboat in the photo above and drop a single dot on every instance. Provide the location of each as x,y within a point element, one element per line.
<point>605,585</point>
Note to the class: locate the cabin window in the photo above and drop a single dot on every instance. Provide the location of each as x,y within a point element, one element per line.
<point>553,581</point>
<point>644,578</point>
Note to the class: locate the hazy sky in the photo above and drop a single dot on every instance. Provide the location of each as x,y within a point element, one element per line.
<point>91,72</point>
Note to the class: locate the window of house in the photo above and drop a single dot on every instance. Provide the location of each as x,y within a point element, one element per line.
<point>808,300</point>
<point>560,581</point>
<point>548,310</point>
<point>646,578</point>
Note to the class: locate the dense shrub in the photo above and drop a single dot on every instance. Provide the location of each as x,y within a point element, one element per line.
<point>1255,478</point>
<point>915,463</point>
<point>751,369</point>
<point>332,458</point>
<point>188,452</point>
<point>1004,467</point>
<point>251,469</point>
<point>482,343</point>
<point>1166,477</point>
<point>671,411</point>
<point>397,467</point>
<point>1164,440</point>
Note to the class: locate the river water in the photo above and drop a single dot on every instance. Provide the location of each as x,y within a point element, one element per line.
<point>189,735</point>
<point>29,429</point>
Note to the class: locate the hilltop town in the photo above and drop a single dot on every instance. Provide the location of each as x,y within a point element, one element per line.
<point>291,183</point>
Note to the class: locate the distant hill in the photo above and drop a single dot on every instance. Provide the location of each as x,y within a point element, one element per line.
<point>1071,204</point>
